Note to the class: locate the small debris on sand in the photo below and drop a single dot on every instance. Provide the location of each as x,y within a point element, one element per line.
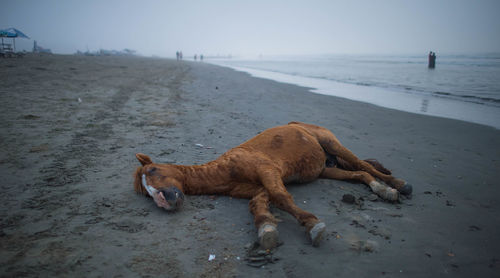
<point>366,246</point>
<point>372,197</point>
<point>258,257</point>
<point>356,224</point>
<point>349,199</point>
<point>473,228</point>
<point>40,148</point>
<point>31,117</point>
<point>381,232</point>
<point>201,146</point>
<point>394,214</point>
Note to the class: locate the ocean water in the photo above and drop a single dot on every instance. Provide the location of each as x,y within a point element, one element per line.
<point>464,87</point>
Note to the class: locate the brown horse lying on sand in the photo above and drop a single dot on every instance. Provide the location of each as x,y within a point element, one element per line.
<point>259,169</point>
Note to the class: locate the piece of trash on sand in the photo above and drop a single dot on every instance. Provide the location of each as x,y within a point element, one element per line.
<point>365,245</point>
<point>372,197</point>
<point>258,257</point>
<point>79,100</point>
<point>211,257</point>
<point>201,146</point>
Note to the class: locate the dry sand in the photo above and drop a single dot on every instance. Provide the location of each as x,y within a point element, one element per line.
<point>70,127</point>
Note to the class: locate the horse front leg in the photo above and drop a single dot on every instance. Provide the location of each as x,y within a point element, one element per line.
<point>280,197</point>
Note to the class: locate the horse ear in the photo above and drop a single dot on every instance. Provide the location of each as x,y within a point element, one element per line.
<point>143,159</point>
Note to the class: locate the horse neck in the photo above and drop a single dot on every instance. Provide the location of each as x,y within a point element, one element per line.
<point>206,178</point>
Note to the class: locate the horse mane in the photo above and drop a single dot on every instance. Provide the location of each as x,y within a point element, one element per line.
<point>139,189</point>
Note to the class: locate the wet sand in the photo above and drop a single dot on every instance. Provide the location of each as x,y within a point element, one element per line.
<point>70,127</point>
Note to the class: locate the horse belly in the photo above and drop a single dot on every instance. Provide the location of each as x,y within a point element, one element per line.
<point>306,168</point>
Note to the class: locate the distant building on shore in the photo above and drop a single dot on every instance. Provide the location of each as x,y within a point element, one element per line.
<point>105,52</point>
<point>39,49</point>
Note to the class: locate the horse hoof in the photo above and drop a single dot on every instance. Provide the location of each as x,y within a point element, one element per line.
<point>392,195</point>
<point>407,189</point>
<point>316,233</point>
<point>268,236</point>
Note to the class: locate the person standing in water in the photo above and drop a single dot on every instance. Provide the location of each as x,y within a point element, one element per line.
<point>432,60</point>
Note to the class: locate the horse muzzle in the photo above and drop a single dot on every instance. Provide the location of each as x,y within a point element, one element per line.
<point>173,196</point>
<point>170,198</point>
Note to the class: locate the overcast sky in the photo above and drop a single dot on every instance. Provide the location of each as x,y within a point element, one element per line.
<point>259,26</point>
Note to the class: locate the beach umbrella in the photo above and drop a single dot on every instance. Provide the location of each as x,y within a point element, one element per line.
<point>12,33</point>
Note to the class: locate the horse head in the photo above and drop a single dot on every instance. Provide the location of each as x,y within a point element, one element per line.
<point>163,182</point>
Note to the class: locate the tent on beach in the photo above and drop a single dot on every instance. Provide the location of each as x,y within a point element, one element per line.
<point>12,33</point>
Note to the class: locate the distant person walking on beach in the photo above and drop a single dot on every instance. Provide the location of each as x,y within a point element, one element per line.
<point>195,57</point>
<point>177,55</point>
<point>201,57</point>
<point>432,60</point>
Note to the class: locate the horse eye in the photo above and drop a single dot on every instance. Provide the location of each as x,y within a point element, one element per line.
<point>151,170</point>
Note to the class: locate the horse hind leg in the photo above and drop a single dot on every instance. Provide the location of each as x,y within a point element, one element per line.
<point>402,186</point>
<point>332,146</point>
<point>385,192</point>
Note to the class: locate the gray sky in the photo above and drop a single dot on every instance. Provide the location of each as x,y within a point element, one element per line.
<point>258,27</point>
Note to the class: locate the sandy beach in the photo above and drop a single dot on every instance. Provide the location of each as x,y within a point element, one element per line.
<point>71,125</point>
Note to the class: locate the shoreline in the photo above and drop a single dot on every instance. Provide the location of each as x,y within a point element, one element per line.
<point>423,104</point>
<point>71,127</point>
